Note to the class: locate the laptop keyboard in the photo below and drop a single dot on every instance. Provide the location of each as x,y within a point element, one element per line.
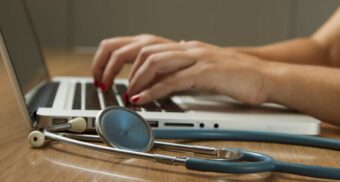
<point>110,99</point>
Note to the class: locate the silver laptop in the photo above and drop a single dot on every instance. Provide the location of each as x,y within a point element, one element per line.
<point>46,101</point>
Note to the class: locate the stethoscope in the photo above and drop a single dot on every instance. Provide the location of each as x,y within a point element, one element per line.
<point>128,134</point>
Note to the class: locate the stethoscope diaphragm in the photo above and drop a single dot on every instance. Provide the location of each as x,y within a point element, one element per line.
<point>125,129</point>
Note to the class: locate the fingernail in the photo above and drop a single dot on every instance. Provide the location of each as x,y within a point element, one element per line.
<point>103,87</point>
<point>96,83</point>
<point>126,97</point>
<point>135,99</point>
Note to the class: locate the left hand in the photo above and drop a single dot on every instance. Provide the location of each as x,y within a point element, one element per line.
<point>164,68</point>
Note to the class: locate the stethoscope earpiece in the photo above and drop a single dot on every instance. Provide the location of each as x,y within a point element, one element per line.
<point>78,125</point>
<point>36,139</point>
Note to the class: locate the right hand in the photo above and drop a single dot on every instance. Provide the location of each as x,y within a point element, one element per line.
<point>114,52</point>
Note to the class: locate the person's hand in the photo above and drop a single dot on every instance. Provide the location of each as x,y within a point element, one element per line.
<point>165,68</point>
<point>113,53</point>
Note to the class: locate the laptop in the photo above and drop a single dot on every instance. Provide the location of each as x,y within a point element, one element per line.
<point>46,101</point>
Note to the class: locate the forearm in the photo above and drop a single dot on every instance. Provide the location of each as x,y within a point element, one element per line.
<point>321,48</point>
<point>300,88</point>
<point>297,51</point>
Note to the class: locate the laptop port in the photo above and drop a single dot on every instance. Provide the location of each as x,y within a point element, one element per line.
<point>201,125</point>
<point>93,122</point>
<point>56,121</point>
<point>153,124</point>
<point>216,125</point>
<point>179,124</point>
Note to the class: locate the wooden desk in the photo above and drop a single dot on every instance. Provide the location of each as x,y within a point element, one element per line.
<point>62,162</point>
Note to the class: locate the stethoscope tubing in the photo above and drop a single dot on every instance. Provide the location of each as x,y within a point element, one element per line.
<point>260,162</point>
<point>256,162</point>
<point>197,134</point>
<point>252,162</point>
<point>307,170</point>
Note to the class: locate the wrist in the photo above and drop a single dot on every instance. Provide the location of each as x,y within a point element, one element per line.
<point>258,81</point>
<point>274,75</point>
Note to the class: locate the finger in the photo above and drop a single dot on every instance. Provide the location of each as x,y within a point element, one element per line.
<point>159,64</point>
<point>181,80</point>
<point>117,60</point>
<point>103,54</point>
<point>149,50</point>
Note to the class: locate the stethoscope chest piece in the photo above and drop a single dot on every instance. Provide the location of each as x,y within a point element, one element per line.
<point>124,129</point>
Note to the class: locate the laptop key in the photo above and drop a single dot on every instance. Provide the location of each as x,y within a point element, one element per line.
<point>110,98</point>
<point>168,105</point>
<point>121,90</point>
<point>77,97</point>
<point>92,100</point>
<point>151,106</point>
<point>133,107</point>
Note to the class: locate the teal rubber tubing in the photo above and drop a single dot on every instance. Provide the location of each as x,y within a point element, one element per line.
<point>263,163</point>
<point>308,170</point>
<point>233,135</point>
<point>256,163</point>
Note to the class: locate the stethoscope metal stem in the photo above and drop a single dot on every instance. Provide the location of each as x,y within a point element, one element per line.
<point>84,137</point>
<point>187,148</point>
<point>164,145</point>
<point>125,153</point>
<point>218,153</point>
<point>60,127</point>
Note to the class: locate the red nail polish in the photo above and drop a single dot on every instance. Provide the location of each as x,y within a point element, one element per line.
<point>135,99</point>
<point>96,83</point>
<point>103,87</point>
<point>126,97</point>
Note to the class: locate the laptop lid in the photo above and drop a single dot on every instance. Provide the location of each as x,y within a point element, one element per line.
<point>21,52</point>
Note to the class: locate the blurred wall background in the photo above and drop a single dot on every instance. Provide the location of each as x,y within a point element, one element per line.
<point>83,23</point>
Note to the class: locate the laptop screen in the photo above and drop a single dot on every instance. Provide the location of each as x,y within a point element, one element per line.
<point>21,44</point>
